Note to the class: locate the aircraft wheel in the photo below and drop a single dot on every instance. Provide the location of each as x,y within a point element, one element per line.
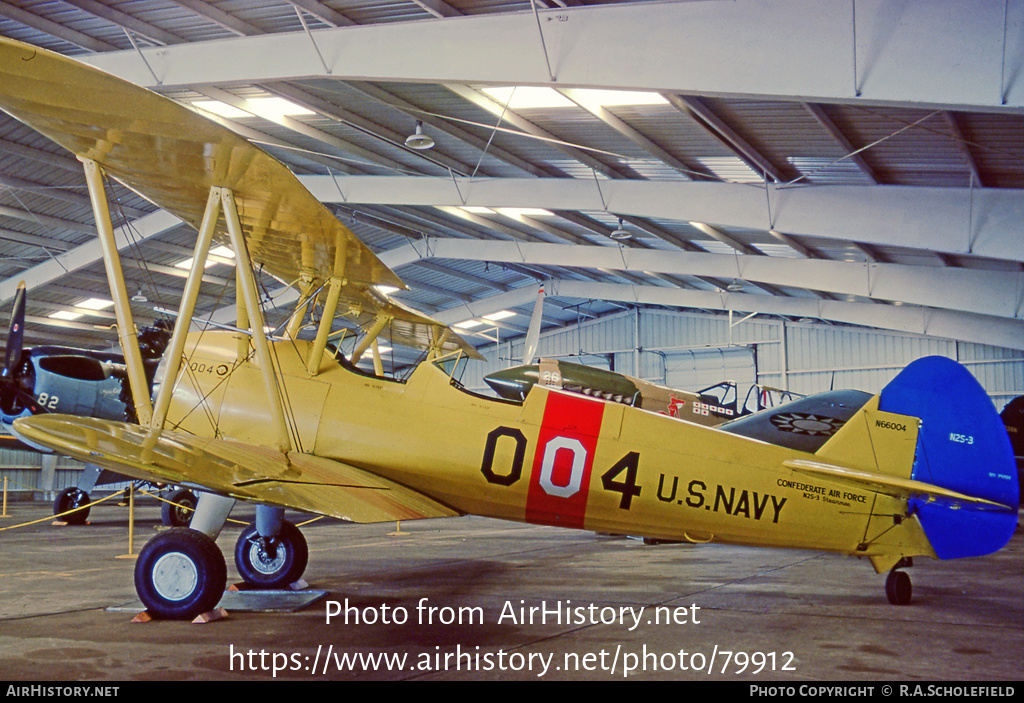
<point>273,562</point>
<point>69,499</point>
<point>898,587</point>
<point>178,513</point>
<point>180,574</point>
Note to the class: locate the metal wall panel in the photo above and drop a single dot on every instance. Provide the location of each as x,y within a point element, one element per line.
<point>23,470</point>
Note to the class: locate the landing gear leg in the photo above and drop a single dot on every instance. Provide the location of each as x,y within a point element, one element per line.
<point>897,584</point>
<point>181,573</point>
<point>272,553</point>
<point>211,513</point>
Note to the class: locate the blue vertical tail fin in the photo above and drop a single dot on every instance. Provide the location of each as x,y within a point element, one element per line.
<point>963,446</point>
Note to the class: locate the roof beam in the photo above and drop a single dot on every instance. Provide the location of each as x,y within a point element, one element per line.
<point>853,154</point>
<point>452,129</point>
<point>34,240</point>
<point>438,8</point>
<point>448,271</point>
<point>951,59</point>
<point>910,319</point>
<point>701,113</point>
<point>645,143</point>
<point>965,149</point>
<point>326,108</point>
<point>978,291</point>
<point>979,221</point>
<point>54,29</point>
<point>126,21</point>
<point>47,220</point>
<point>322,12</point>
<point>65,162</point>
<point>506,115</point>
<point>65,194</point>
<point>220,18</point>
<point>87,254</point>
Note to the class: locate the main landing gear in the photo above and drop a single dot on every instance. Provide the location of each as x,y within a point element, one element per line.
<point>898,588</point>
<point>72,505</point>
<point>271,562</point>
<point>181,573</point>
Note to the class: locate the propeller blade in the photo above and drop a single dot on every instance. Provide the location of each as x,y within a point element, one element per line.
<point>17,333</point>
<point>533,334</point>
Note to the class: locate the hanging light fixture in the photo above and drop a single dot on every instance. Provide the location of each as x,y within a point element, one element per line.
<point>418,140</point>
<point>620,232</point>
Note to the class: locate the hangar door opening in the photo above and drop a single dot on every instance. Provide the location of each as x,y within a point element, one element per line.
<point>697,369</point>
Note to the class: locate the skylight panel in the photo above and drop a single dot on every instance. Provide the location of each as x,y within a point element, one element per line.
<point>523,97</point>
<point>269,108</point>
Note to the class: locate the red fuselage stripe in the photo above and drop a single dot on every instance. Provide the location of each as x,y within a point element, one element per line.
<point>560,480</point>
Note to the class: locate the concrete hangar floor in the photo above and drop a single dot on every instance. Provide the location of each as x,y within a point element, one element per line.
<point>479,599</point>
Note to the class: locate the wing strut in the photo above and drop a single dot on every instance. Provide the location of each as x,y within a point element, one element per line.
<point>336,283</point>
<point>241,319</point>
<point>324,330</point>
<point>370,338</point>
<point>115,278</point>
<point>243,265</point>
<point>188,305</point>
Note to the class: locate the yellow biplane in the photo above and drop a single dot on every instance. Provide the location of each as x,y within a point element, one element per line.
<point>922,469</point>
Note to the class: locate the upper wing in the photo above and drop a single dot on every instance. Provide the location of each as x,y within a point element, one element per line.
<point>173,156</point>
<point>244,471</point>
<point>413,329</point>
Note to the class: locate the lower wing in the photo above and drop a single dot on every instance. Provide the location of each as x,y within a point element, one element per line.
<point>244,471</point>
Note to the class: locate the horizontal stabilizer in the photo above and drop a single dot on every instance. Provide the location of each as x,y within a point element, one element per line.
<point>244,471</point>
<point>906,489</point>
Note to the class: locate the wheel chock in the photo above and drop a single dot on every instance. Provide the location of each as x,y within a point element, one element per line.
<point>300,585</point>
<point>210,616</point>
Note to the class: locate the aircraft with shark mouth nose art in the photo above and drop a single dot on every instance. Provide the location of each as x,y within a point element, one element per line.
<point>923,468</point>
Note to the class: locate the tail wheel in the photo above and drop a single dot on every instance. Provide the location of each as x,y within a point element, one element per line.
<point>271,562</point>
<point>180,574</point>
<point>898,587</point>
<point>178,512</point>
<point>72,499</point>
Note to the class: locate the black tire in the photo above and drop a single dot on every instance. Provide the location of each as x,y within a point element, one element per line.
<point>180,574</point>
<point>277,567</point>
<point>898,588</point>
<point>69,499</point>
<point>178,512</point>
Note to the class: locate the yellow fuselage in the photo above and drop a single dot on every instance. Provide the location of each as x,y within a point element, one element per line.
<point>557,458</point>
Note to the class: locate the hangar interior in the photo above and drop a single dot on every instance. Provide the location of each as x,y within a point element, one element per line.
<point>800,194</point>
<point>804,195</point>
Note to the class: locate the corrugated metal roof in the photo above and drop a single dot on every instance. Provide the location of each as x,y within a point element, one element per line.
<point>359,128</point>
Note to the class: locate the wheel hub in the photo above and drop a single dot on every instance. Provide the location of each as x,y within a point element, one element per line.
<point>175,576</point>
<point>267,556</point>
